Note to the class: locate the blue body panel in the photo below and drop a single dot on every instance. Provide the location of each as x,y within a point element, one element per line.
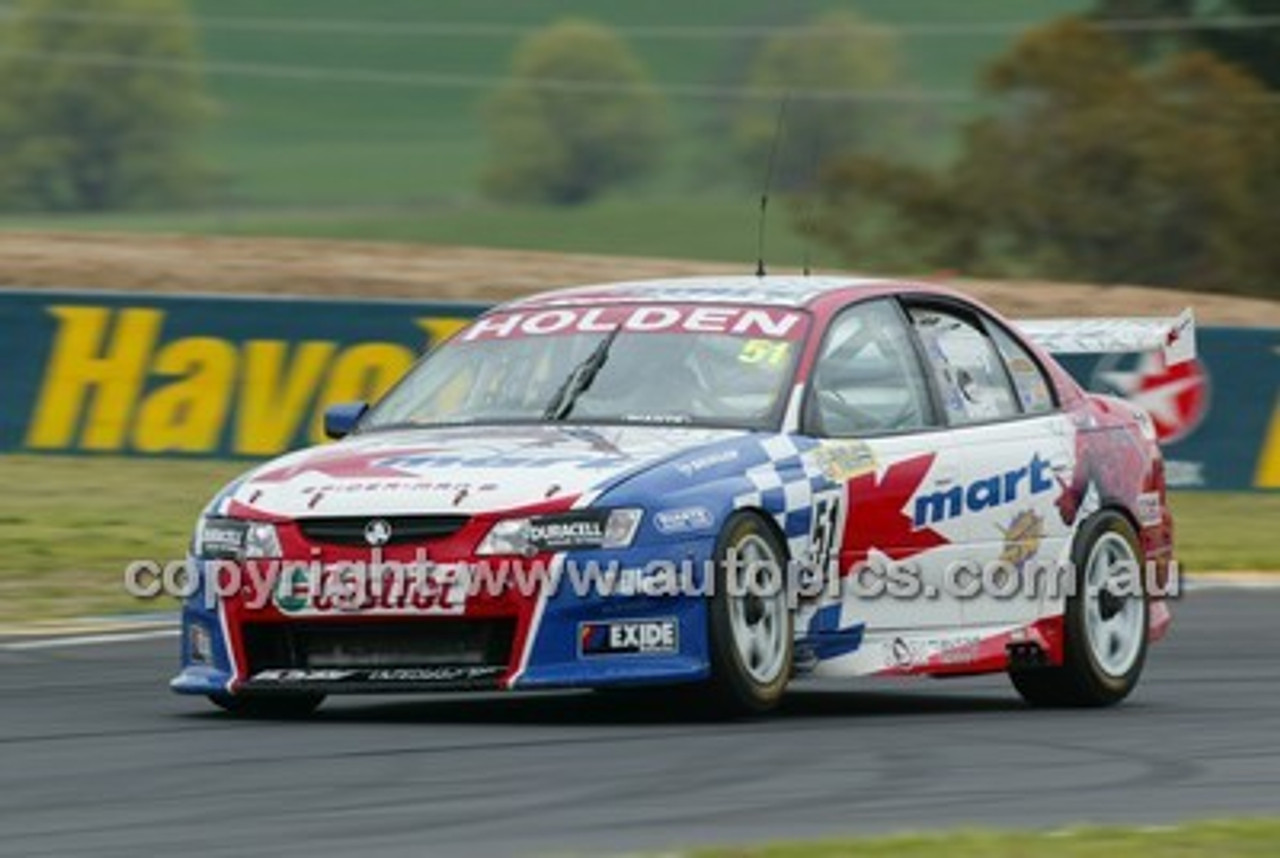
<point>197,678</point>
<point>686,498</point>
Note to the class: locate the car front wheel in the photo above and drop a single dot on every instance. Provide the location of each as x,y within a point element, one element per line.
<point>751,626</point>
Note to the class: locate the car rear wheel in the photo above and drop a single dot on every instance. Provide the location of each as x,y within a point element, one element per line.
<point>1105,623</point>
<point>751,626</point>
<point>269,706</point>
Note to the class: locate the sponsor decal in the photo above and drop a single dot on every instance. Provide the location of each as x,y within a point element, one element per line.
<point>222,538</point>
<point>900,654</point>
<point>690,519</point>
<point>629,637</point>
<point>755,322</point>
<point>961,651</point>
<point>826,526</point>
<point>765,352</point>
<point>1022,538</point>
<point>297,675</point>
<point>984,493</point>
<point>344,464</point>
<point>699,464</point>
<point>117,380</point>
<point>568,530</point>
<point>659,419</point>
<point>841,461</point>
<point>877,518</point>
<point>291,596</point>
<point>1176,397</point>
<point>448,487</point>
<point>1148,509</point>
<point>433,674</point>
<point>1181,474</point>
<point>904,654</point>
<point>344,589</point>
<point>1030,383</point>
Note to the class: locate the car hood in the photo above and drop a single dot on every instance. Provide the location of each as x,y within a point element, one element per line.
<point>456,470</point>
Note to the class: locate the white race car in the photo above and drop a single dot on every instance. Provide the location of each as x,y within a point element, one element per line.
<point>717,483</point>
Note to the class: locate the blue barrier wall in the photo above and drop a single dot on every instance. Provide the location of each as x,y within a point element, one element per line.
<point>1218,417</point>
<point>130,374</point>
<point>196,376</point>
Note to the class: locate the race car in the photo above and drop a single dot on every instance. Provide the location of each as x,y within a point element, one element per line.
<point>712,486</point>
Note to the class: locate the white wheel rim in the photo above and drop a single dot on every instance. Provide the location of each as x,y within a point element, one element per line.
<point>757,609</point>
<point>1114,614</point>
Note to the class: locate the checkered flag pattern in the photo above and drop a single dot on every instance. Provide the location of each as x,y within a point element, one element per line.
<point>784,485</point>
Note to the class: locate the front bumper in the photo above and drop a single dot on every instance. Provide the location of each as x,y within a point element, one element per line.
<point>562,636</point>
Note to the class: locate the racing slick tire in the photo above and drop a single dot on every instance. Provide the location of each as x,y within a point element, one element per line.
<point>268,706</point>
<point>751,627</point>
<point>1105,633</point>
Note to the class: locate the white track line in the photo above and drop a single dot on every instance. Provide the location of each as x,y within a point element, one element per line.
<point>1232,581</point>
<point>89,640</point>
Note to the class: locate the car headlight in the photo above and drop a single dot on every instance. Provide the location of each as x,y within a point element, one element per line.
<point>592,528</point>
<point>218,538</point>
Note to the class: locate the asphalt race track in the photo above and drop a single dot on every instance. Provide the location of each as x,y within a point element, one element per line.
<point>96,757</point>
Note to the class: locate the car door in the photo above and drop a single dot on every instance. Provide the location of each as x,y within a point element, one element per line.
<point>881,439</point>
<point>1008,444</point>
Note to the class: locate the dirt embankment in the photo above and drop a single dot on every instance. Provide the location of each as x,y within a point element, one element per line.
<point>177,264</point>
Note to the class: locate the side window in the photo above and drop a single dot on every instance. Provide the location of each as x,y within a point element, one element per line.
<point>868,380</point>
<point>966,366</point>
<point>1030,382</point>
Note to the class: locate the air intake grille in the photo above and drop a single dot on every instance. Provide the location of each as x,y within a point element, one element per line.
<point>405,529</point>
<point>422,643</point>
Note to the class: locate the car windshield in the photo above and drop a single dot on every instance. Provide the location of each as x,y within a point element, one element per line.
<point>670,364</point>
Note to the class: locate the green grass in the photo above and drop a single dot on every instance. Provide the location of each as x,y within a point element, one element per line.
<point>1217,839</point>
<point>310,157</point>
<point>1223,531</point>
<point>69,525</point>
<point>301,141</point>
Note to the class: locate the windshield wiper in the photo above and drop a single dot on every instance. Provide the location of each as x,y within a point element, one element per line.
<point>581,379</point>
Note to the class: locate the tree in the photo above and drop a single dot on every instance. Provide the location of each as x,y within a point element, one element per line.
<point>98,114</point>
<point>1089,167</point>
<point>579,116</point>
<point>1144,41</point>
<point>1254,48</point>
<point>836,53</point>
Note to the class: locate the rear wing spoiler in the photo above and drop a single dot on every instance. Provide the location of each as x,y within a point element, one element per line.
<point>1175,339</point>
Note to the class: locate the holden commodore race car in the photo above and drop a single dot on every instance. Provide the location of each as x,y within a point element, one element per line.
<point>718,484</point>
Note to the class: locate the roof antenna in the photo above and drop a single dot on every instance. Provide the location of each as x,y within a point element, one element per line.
<point>768,183</point>
<point>809,224</point>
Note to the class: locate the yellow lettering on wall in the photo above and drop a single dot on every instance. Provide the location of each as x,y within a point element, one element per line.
<point>361,374</point>
<point>85,366</point>
<point>1268,476</point>
<point>274,399</point>
<point>187,415</point>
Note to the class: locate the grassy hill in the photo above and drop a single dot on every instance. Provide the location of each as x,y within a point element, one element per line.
<point>327,141</point>
<point>363,139</point>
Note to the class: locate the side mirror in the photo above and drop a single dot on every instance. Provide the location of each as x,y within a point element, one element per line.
<point>340,420</point>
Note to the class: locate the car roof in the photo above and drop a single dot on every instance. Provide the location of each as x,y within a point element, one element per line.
<point>780,291</point>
